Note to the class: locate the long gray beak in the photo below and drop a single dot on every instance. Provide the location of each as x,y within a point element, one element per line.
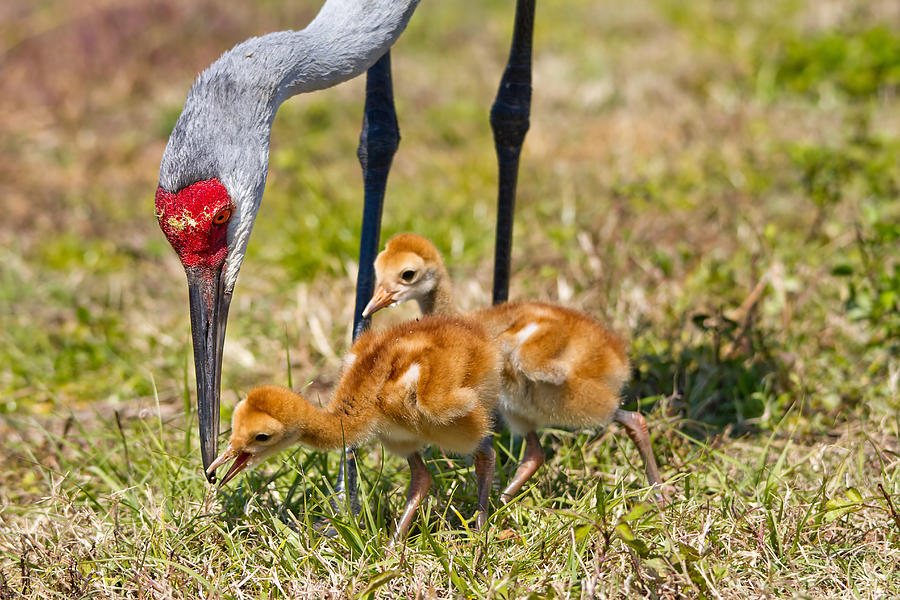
<point>209,314</point>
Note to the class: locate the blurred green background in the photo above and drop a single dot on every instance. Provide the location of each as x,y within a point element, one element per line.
<point>679,157</point>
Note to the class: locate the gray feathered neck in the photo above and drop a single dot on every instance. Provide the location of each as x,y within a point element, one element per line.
<point>227,117</point>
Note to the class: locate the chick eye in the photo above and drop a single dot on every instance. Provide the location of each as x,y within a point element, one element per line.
<point>262,437</point>
<point>222,217</point>
<point>407,275</point>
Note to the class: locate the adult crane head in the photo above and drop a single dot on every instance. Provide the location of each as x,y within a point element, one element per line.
<point>206,206</point>
<point>214,167</point>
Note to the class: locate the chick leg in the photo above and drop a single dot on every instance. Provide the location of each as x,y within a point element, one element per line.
<point>485,461</point>
<point>636,427</point>
<point>419,484</point>
<point>534,458</point>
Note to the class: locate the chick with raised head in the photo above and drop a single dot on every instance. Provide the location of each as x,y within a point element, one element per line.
<point>429,382</point>
<point>561,368</point>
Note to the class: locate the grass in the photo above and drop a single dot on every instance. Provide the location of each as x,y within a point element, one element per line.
<point>717,180</point>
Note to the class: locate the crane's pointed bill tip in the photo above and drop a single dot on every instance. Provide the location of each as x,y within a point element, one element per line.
<point>220,460</point>
<point>380,299</point>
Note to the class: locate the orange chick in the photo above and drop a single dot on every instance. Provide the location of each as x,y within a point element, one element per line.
<point>429,382</point>
<point>561,367</point>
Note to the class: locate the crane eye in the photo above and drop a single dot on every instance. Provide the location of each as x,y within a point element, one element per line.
<point>407,275</point>
<point>222,217</point>
<point>262,437</point>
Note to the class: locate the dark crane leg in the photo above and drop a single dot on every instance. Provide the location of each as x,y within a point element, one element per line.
<point>509,120</point>
<point>378,142</point>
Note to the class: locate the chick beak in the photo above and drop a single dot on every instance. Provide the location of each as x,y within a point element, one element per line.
<point>240,462</point>
<point>380,299</point>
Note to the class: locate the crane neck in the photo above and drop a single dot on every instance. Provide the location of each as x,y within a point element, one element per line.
<point>344,39</point>
<point>233,102</point>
